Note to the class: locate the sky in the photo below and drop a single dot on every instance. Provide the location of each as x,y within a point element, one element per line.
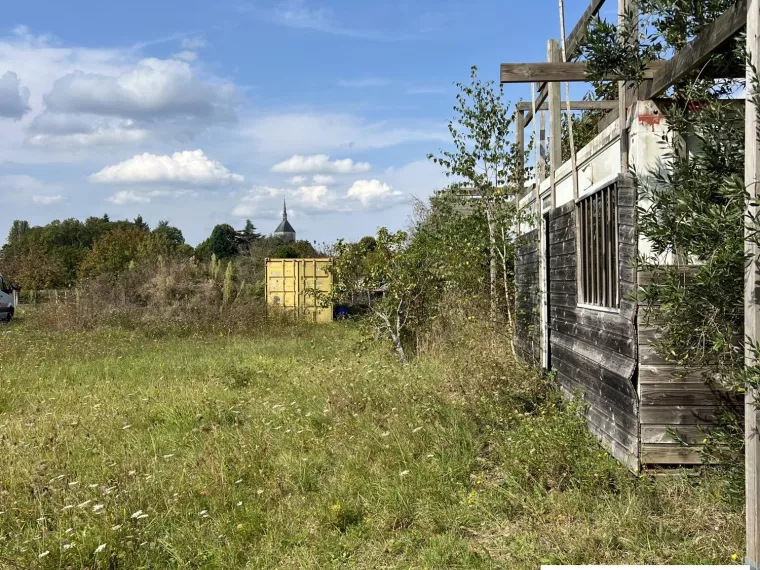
<point>201,112</point>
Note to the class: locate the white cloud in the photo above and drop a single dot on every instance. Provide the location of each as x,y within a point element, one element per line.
<point>186,55</point>
<point>419,178</point>
<point>187,167</point>
<point>371,192</point>
<point>297,180</point>
<point>123,197</point>
<point>47,200</point>
<point>317,132</point>
<point>320,163</point>
<point>14,98</point>
<point>323,179</point>
<point>193,43</point>
<point>315,197</point>
<point>364,82</point>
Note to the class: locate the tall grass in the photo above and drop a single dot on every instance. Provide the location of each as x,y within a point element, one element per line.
<point>310,447</point>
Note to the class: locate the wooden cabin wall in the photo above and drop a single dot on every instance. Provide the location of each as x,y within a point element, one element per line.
<point>528,299</point>
<point>594,351</point>
<point>672,399</point>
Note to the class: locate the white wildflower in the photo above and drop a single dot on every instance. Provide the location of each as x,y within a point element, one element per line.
<point>259,491</point>
<point>133,472</point>
<point>168,456</point>
<point>136,514</point>
<point>85,504</point>
<point>69,545</point>
<point>69,531</point>
<point>240,503</point>
<point>238,482</point>
<point>116,527</point>
<point>126,426</point>
<point>73,483</point>
<point>44,554</point>
<point>93,485</point>
<point>415,430</point>
<point>385,434</point>
<point>97,508</point>
<point>404,473</point>
<point>100,548</point>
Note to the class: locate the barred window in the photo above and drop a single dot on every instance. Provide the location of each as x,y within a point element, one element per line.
<point>598,263</point>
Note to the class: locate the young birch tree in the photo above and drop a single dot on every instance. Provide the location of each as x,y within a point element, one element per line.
<point>484,165</point>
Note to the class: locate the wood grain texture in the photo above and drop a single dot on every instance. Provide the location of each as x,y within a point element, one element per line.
<point>593,351</point>
<point>557,72</point>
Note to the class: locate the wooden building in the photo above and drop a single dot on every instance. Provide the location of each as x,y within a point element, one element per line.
<point>575,271</point>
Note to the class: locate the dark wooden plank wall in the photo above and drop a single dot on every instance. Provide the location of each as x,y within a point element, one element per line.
<point>528,299</point>
<point>594,351</point>
<point>672,398</point>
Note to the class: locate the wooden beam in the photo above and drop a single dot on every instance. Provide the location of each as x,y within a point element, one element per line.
<point>543,93</point>
<point>579,31</point>
<point>558,72</point>
<point>698,50</point>
<point>555,121</point>
<point>574,105</point>
<point>751,307</point>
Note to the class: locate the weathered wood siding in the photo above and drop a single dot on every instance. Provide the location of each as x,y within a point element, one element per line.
<point>672,399</point>
<point>594,351</point>
<point>528,299</point>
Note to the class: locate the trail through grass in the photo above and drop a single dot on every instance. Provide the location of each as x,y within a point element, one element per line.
<point>306,447</point>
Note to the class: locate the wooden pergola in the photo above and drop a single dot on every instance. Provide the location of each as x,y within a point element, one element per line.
<point>658,78</point>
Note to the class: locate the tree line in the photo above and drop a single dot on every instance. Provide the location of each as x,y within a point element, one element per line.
<point>62,252</point>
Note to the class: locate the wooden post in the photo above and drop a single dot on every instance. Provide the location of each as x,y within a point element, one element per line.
<point>555,120</point>
<point>624,6</point>
<point>520,139</point>
<point>542,149</point>
<point>751,309</point>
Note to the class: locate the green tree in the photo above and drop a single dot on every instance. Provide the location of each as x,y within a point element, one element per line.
<point>140,224</point>
<point>247,235</point>
<point>172,234</point>
<point>389,281</point>
<point>484,165</point>
<point>114,252</point>
<point>223,241</point>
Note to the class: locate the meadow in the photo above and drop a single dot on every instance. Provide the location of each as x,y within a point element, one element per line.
<point>312,447</point>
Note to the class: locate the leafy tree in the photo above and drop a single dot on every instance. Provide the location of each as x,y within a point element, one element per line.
<point>247,235</point>
<point>114,252</point>
<point>295,250</point>
<point>19,229</point>
<point>172,234</point>
<point>223,241</point>
<point>388,280</point>
<point>140,224</point>
<point>484,163</point>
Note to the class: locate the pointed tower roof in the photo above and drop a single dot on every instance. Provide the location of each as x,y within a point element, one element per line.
<point>284,227</point>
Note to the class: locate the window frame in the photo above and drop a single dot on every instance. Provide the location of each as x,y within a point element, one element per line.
<point>598,232</point>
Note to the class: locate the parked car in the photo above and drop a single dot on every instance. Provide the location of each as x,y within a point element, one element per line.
<point>7,303</point>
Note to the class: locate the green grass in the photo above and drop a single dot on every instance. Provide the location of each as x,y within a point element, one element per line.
<point>308,447</point>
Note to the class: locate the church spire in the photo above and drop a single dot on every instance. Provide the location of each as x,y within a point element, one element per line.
<point>284,211</point>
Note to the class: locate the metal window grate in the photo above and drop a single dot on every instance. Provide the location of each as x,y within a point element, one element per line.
<point>598,228</point>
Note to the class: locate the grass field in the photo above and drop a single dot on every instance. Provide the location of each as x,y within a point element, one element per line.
<point>310,447</point>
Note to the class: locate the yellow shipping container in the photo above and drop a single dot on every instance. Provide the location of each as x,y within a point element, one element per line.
<point>288,285</point>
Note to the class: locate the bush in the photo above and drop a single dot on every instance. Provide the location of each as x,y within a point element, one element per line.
<point>177,294</point>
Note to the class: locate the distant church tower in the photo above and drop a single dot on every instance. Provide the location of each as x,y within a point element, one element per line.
<point>285,231</point>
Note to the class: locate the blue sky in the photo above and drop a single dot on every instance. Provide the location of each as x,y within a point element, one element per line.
<point>214,112</point>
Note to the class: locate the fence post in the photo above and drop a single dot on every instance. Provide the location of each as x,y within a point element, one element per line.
<point>751,309</point>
